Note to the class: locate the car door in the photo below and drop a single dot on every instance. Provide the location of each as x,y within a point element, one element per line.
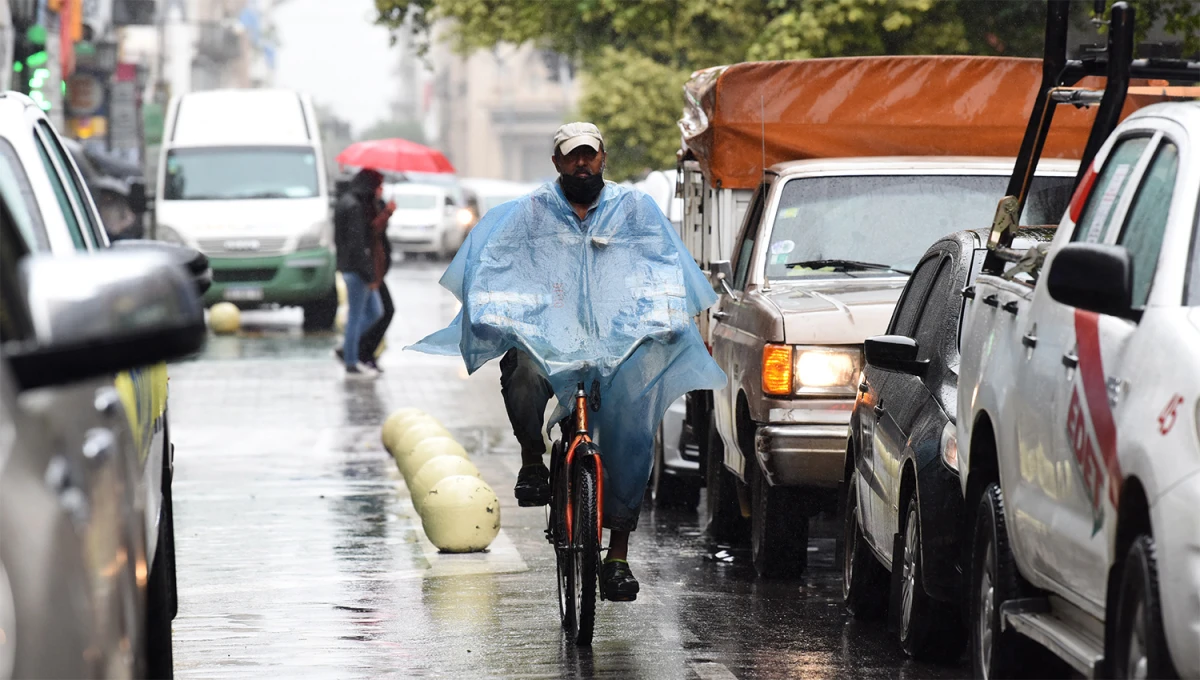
<point>903,395</point>
<point>734,324</point>
<point>1062,405</point>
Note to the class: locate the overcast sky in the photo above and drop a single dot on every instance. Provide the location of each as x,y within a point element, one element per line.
<point>332,50</point>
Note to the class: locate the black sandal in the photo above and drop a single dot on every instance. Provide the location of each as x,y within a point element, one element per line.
<point>533,486</point>
<point>617,582</point>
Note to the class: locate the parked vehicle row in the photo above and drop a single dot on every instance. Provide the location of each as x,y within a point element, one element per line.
<point>87,560</point>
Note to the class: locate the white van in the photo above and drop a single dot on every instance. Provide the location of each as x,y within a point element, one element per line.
<point>241,177</point>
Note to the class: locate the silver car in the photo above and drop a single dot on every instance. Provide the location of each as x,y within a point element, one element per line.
<point>49,214</point>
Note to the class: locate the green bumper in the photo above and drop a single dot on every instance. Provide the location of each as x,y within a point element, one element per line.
<point>294,279</point>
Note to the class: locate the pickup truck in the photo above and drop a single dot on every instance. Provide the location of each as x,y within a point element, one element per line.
<point>1078,428</point>
<point>810,256</point>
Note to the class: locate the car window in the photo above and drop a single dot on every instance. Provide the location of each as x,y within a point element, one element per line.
<point>1143,232</point>
<point>904,319</point>
<point>79,190</point>
<point>744,252</point>
<point>60,193</point>
<point>935,322</point>
<point>1097,214</point>
<point>15,324</point>
<point>18,195</point>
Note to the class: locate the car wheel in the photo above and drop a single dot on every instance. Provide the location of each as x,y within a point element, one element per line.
<point>778,527</point>
<point>864,580</point>
<point>995,652</point>
<point>320,315</point>
<point>1140,645</point>
<point>668,490</point>
<point>162,601</point>
<point>928,629</point>
<point>722,510</point>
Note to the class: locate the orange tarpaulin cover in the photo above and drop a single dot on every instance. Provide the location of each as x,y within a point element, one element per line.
<point>868,106</point>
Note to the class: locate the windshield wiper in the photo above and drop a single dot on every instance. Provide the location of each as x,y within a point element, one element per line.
<point>264,194</point>
<point>847,265</point>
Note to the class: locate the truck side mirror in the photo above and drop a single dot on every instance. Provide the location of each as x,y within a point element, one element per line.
<point>1093,277</point>
<point>894,353</point>
<point>720,274</point>
<point>137,197</point>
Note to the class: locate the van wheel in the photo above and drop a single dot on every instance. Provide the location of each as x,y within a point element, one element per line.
<point>1140,645</point>
<point>778,527</point>
<point>995,653</point>
<point>864,580</point>
<point>319,315</point>
<point>928,629</point>
<point>722,510</point>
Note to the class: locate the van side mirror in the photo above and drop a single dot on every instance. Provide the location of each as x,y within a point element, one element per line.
<point>895,353</point>
<point>1093,277</point>
<point>720,274</point>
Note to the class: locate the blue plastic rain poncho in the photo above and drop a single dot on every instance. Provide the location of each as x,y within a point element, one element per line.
<point>611,298</point>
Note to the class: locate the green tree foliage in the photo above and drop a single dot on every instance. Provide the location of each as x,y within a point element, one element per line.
<point>635,54</point>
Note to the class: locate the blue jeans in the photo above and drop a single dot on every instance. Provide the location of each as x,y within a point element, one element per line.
<point>363,308</point>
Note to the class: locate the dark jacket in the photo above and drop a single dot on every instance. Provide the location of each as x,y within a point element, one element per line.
<point>352,226</point>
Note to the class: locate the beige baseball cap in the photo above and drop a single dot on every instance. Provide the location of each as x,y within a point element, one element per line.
<point>574,135</point>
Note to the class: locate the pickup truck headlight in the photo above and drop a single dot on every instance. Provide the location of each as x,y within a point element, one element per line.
<point>810,371</point>
<point>316,237</point>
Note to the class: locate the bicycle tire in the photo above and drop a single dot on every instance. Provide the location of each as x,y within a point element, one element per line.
<point>586,544</point>
<point>563,555</point>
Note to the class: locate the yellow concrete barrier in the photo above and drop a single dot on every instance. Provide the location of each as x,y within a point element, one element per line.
<point>224,318</point>
<point>435,470</point>
<point>426,450</point>
<point>461,514</point>
<point>399,422</point>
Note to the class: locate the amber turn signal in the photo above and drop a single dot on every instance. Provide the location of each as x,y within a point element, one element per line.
<point>777,369</point>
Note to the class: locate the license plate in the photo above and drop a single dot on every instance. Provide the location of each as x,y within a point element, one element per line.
<point>244,294</point>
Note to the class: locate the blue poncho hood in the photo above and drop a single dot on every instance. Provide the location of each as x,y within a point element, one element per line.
<point>611,299</point>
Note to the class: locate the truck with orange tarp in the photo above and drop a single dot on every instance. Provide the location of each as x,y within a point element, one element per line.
<point>810,190</point>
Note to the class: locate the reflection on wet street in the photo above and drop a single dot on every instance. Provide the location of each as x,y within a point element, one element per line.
<point>300,554</point>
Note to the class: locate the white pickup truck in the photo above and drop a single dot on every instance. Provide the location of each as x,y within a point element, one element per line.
<point>1078,440</point>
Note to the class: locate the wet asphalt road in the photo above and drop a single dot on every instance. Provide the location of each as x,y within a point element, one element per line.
<point>300,555</point>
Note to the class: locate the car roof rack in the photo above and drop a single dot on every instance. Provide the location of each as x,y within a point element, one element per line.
<point>1059,77</point>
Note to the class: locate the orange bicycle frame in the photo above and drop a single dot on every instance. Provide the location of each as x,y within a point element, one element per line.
<point>581,436</point>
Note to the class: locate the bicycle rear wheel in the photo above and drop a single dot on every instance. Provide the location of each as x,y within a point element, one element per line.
<point>586,544</point>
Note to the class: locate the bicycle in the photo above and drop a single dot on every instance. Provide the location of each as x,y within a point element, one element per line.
<point>575,517</point>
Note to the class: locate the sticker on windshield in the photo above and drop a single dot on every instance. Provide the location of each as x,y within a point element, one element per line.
<point>788,213</point>
<point>782,247</point>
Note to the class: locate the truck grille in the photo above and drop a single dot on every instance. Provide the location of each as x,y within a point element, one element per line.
<point>243,275</point>
<point>242,247</point>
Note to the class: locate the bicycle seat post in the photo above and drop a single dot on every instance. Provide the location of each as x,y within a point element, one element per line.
<point>581,411</point>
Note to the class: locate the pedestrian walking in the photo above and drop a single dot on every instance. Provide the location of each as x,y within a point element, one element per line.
<point>381,256</point>
<point>354,217</point>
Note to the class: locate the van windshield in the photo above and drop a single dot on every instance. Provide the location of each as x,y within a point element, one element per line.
<point>225,174</point>
<point>880,225</point>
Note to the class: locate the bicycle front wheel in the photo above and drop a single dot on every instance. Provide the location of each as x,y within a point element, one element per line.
<point>585,544</point>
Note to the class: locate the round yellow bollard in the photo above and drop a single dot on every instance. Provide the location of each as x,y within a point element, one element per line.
<point>339,318</point>
<point>399,422</point>
<point>340,284</point>
<point>224,317</point>
<point>426,450</point>
<point>413,435</point>
<point>461,514</point>
<point>435,470</point>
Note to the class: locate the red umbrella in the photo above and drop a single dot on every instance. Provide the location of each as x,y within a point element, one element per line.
<point>394,155</point>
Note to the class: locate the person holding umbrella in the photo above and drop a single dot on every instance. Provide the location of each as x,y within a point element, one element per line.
<point>354,220</point>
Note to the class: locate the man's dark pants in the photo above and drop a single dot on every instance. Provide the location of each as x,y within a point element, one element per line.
<point>374,335</point>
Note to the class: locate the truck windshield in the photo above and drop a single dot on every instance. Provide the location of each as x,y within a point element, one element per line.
<point>225,174</point>
<point>882,224</point>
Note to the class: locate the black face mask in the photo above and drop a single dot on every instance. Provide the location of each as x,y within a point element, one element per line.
<point>582,190</point>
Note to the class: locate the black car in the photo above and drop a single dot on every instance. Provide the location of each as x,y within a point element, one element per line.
<point>903,496</point>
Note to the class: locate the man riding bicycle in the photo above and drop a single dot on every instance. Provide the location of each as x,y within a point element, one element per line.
<point>583,281</point>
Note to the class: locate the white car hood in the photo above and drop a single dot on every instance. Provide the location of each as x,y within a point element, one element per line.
<point>414,218</point>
